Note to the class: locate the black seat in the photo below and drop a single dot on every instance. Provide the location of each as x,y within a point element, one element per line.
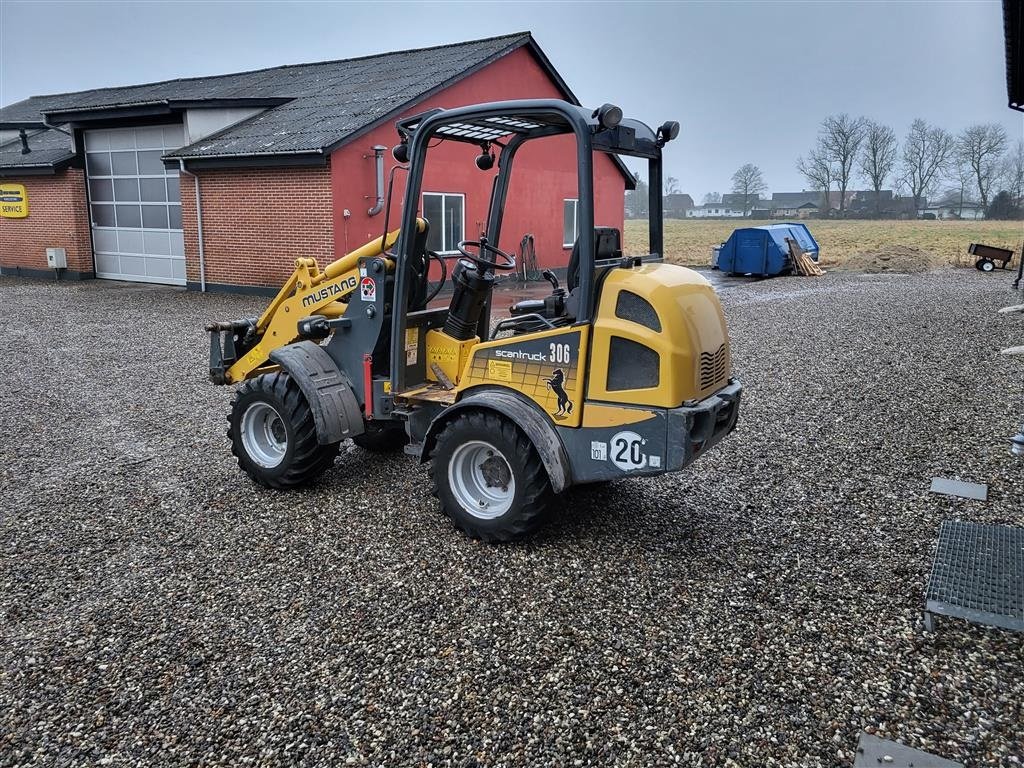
<point>607,245</point>
<point>561,306</point>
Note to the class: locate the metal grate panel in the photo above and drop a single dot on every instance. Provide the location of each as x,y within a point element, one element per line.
<point>978,575</point>
<point>873,751</point>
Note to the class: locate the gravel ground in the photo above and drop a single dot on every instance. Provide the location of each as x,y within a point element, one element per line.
<point>758,609</point>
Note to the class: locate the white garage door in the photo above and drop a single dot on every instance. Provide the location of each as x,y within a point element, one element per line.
<point>135,204</point>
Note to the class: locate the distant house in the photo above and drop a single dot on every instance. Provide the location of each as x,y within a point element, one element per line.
<point>677,204</point>
<point>950,206</point>
<point>867,203</point>
<point>735,199</point>
<point>858,203</point>
<point>752,202</point>
<point>715,211</point>
<point>794,205</point>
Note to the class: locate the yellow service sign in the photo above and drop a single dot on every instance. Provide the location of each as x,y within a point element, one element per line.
<point>13,201</point>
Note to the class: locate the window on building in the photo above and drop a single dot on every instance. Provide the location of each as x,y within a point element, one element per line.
<point>446,212</point>
<point>129,186</point>
<point>570,222</point>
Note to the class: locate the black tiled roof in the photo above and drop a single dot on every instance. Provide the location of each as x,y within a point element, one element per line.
<point>49,150</point>
<point>328,102</point>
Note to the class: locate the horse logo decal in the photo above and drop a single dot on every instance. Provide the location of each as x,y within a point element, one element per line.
<point>557,385</point>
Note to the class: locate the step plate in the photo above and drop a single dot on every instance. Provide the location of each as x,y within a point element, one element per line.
<point>978,575</point>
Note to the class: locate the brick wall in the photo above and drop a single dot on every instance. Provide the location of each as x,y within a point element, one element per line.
<point>256,222</point>
<point>57,217</point>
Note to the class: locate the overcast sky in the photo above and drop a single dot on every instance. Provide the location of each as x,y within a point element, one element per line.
<point>749,81</point>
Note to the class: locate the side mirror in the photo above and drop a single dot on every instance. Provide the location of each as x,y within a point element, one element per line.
<point>401,153</point>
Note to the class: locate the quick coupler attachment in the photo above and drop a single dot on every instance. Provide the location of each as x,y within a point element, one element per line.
<point>227,341</point>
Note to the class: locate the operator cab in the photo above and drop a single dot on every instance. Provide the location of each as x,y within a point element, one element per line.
<point>430,347</point>
<point>562,306</point>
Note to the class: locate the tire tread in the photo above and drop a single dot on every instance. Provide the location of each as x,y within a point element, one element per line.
<point>309,458</point>
<point>537,495</point>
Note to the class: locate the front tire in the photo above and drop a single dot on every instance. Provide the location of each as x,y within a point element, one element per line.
<point>489,478</point>
<point>273,434</point>
<point>986,266</point>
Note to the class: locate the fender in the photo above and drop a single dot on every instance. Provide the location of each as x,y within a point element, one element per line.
<point>336,411</point>
<point>527,416</point>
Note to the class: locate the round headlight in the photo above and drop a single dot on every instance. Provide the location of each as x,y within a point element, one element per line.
<point>608,115</point>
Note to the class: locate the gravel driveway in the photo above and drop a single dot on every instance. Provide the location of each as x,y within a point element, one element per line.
<point>758,609</point>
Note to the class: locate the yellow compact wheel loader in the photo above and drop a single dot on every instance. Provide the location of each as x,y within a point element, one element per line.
<point>623,372</point>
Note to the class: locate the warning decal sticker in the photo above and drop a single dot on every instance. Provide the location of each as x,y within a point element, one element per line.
<point>368,289</point>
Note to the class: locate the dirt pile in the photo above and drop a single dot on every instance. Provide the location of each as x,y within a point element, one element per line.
<point>893,258</point>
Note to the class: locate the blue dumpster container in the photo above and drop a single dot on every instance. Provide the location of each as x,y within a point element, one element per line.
<point>762,250</point>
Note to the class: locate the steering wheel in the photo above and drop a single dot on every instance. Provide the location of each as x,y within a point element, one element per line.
<point>508,261</point>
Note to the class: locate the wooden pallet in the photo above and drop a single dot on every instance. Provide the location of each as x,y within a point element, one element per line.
<point>803,264</point>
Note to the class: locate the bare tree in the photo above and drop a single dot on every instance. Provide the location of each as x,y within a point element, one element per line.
<point>926,154</point>
<point>878,158</point>
<point>839,140</point>
<point>819,172</point>
<point>981,147</point>
<point>1013,172</point>
<point>748,181</point>
<point>962,176</point>
<point>712,197</point>
<point>671,185</point>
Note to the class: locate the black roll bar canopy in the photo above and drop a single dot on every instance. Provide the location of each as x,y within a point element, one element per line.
<point>510,124</point>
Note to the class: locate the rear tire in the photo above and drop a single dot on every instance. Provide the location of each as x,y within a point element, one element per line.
<point>986,266</point>
<point>273,434</point>
<point>489,478</point>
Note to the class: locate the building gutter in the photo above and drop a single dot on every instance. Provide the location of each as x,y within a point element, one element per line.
<point>282,153</point>
<point>199,225</point>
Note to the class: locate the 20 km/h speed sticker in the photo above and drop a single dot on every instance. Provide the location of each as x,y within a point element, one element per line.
<point>626,450</point>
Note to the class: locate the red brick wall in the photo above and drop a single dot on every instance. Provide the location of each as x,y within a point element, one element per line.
<point>544,174</point>
<point>57,218</point>
<point>256,222</point>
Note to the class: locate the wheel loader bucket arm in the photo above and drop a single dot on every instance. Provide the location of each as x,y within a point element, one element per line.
<point>239,349</point>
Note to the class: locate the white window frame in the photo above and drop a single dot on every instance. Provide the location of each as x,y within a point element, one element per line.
<point>444,229</point>
<point>575,220</point>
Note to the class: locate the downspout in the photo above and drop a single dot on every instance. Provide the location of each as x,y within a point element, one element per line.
<point>59,130</point>
<point>378,157</point>
<point>199,226</point>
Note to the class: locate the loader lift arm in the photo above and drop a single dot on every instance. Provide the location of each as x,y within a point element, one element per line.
<point>241,349</point>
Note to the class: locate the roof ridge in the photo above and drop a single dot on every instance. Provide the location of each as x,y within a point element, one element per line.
<point>526,33</point>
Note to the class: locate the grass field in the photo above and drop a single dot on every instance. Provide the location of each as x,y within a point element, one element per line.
<point>689,241</point>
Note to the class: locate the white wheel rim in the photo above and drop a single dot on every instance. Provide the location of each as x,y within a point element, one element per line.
<point>481,480</point>
<point>263,435</point>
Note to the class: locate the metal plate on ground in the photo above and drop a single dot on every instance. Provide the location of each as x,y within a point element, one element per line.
<point>873,751</point>
<point>959,488</point>
<point>978,575</point>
